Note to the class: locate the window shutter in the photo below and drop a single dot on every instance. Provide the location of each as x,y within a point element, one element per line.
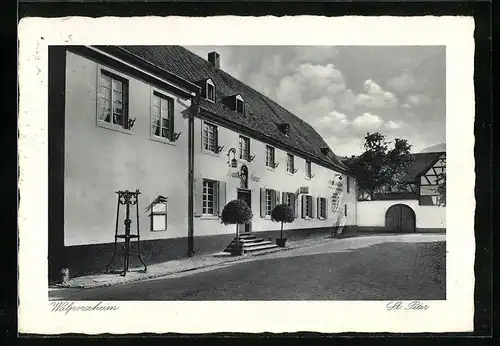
<point>198,196</point>
<point>326,208</point>
<point>318,209</point>
<point>262,202</point>
<point>278,196</point>
<point>312,207</point>
<point>222,196</point>
<point>283,197</point>
<point>171,129</point>
<point>125,105</point>
<point>304,209</point>
<point>216,134</point>
<point>295,206</point>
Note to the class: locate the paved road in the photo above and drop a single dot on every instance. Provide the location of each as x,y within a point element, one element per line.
<point>407,269</point>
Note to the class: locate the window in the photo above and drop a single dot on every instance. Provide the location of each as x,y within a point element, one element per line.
<point>158,217</point>
<point>347,184</point>
<point>307,206</point>
<point>269,202</point>
<point>270,157</point>
<point>240,108</point>
<point>210,137</point>
<point>113,100</point>
<point>308,169</point>
<point>210,94</point>
<point>245,148</point>
<point>162,116</point>
<point>290,164</point>
<point>345,209</point>
<point>322,208</point>
<point>209,197</point>
<point>269,199</point>
<point>289,199</point>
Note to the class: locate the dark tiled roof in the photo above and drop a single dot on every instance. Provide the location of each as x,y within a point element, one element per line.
<point>422,162</point>
<point>261,113</point>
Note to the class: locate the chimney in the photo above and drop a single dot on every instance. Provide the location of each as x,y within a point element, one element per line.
<point>214,59</point>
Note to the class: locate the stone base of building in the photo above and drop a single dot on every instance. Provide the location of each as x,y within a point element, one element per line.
<point>92,259</point>
<point>381,229</point>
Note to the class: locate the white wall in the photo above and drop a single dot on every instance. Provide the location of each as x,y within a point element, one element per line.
<point>372,213</point>
<point>212,166</point>
<point>100,161</point>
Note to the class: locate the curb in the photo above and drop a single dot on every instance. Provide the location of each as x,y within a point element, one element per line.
<point>165,274</point>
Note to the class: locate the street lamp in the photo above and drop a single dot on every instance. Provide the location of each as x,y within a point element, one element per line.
<point>233,162</point>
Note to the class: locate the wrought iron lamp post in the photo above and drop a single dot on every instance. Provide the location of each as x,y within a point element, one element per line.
<point>127,198</point>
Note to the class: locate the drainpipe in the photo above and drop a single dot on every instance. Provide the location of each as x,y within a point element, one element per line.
<point>195,109</point>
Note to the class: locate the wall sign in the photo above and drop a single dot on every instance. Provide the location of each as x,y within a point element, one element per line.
<point>234,174</point>
<point>304,190</point>
<point>431,190</point>
<point>256,179</point>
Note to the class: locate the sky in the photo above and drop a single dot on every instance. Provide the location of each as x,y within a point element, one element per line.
<point>346,91</point>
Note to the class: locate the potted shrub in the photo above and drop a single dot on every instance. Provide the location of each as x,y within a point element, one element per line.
<point>236,212</point>
<point>282,213</point>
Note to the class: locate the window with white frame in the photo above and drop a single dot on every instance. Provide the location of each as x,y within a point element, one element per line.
<point>210,137</point>
<point>269,201</point>
<point>307,206</point>
<point>308,169</point>
<point>289,199</point>
<point>270,156</point>
<point>162,116</point>
<point>210,93</point>
<point>244,148</point>
<point>290,166</point>
<point>209,199</point>
<point>240,105</point>
<point>113,92</point>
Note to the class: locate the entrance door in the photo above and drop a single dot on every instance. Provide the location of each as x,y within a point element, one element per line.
<point>400,218</point>
<point>245,195</point>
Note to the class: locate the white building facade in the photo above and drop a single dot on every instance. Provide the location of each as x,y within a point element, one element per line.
<point>119,119</point>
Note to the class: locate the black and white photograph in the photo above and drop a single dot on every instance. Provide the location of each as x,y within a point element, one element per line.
<point>268,172</point>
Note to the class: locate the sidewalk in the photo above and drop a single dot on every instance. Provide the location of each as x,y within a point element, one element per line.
<point>178,266</point>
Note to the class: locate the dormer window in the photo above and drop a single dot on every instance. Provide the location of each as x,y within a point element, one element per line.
<point>210,90</point>
<point>240,104</point>
<point>285,128</point>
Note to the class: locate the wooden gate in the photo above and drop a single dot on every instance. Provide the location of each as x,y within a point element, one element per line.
<point>400,218</point>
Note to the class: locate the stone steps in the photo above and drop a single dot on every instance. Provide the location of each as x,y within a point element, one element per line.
<point>251,243</point>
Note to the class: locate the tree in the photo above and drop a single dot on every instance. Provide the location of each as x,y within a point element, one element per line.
<point>236,212</point>
<point>283,213</point>
<point>378,168</point>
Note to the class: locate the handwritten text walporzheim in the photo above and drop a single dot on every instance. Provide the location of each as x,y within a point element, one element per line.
<point>68,307</point>
<point>414,305</point>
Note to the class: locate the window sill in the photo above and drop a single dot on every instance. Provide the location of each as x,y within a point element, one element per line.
<point>267,217</point>
<point>162,140</point>
<point>291,174</point>
<point>271,169</point>
<point>117,128</point>
<point>307,178</point>
<point>208,152</point>
<point>158,230</point>
<point>208,217</point>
